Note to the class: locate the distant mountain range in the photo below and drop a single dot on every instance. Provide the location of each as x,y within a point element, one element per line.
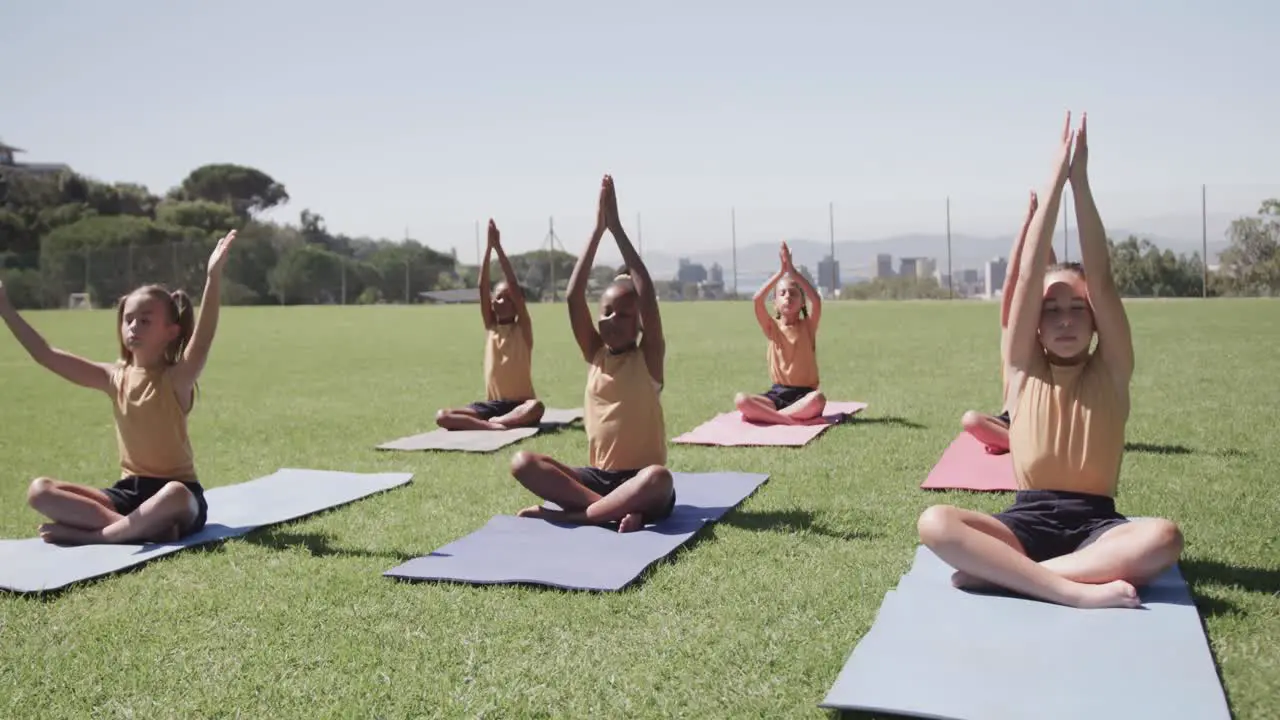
<point>857,258</point>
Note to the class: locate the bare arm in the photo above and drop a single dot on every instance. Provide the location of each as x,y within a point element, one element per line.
<point>85,373</point>
<point>762,310</point>
<point>517,293</point>
<point>584,329</point>
<point>814,297</point>
<point>1015,262</point>
<point>486,301</point>
<point>1028,296</point>
<point>654,343</point>
<point>195,356</point>
<point>1115,342</point>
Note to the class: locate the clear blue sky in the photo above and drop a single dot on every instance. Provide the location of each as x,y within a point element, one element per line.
<point>382,115</point>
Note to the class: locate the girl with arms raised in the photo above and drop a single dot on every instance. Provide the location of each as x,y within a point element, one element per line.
<point>1062,540</point>
<point>163,351</point>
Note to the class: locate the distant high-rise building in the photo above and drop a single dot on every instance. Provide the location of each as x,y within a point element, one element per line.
<point>690,272</point>
<point>717,273</point>
<point>995,271</point>
<point>907,266</point>
<point>829,273</point>
<point>884,265</point>
<point>926,267</point>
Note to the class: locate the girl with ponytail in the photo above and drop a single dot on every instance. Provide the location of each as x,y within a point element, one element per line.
<point>163,350</point>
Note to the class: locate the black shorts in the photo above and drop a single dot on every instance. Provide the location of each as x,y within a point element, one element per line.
<point>129,494</point>
<point>490,409</point>
<point>1050,523</point>
<point>1003,418</point>
<point>603,482</point>
<point>784,396</point>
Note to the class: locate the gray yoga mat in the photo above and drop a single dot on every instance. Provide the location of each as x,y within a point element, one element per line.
<point>938,652</point>
<point>481,441</point>
<point>32,565</point>
<point>510,550</point>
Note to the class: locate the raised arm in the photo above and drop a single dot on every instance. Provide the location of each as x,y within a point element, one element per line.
<point>654,343</point>
<point>513,285</point>
<point>584,329</point>
<point>760,298</point>
<point>188,369</point>
<point>86,373</point>
<point>1015,261</point>
<point>810,293</point>
<point>1024,314</point>
<point>1115,342</point>
<point>485,287</point>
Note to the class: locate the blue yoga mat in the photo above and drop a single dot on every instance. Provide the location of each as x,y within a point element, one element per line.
<point>935,651</point>
<point>509,550</point>
<point>32,565</point>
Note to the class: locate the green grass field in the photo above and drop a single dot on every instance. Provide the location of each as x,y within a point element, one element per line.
<point>753,620</point>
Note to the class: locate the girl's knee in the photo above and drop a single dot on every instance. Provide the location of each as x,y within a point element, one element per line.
<point>173,488</point>
<point>937,523</point>
<point>740,400</point>
<point>817,397</point>
<point>524,462</point>
<point>970,419</point>
<point>39,487</point>
<point>658,478</point>
<point>1166,535</point>
<point>534,410</point>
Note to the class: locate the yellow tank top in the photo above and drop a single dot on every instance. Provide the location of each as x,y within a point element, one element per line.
<point>622,409</point>
<point>508,365</point>
<point>1068,429</point>
<point>151,427</point>
<point>792,354</point>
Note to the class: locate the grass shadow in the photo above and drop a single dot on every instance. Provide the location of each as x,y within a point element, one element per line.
<point>792,521</point>
<point>886,420</point>
<point>1163,449</point>
<point>1212,607</point>
<point>556,428</point>
<point>1157,449</point>
<point>1251,579</point>
<point>318,544</point>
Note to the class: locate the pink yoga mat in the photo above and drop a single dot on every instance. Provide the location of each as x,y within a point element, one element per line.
<point>966,465</point>
<point>730,430</point>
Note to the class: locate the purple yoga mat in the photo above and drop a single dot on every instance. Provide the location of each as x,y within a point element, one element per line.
<point>515,550</point>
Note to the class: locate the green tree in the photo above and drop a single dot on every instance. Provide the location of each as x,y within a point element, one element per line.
<point>245,190</point>
<point>110,256</point>
<point>307,275</point>
<point>1141,269</point>
<point>898,287</point>
<point>1251,265</point>
<point>211,217</point>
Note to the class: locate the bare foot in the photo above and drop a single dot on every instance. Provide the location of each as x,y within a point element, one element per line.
<point>993,450</point>
<point>59,534</point>
<point>631,522</point>
<point>533,511</point>
<point>1115,594</point>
